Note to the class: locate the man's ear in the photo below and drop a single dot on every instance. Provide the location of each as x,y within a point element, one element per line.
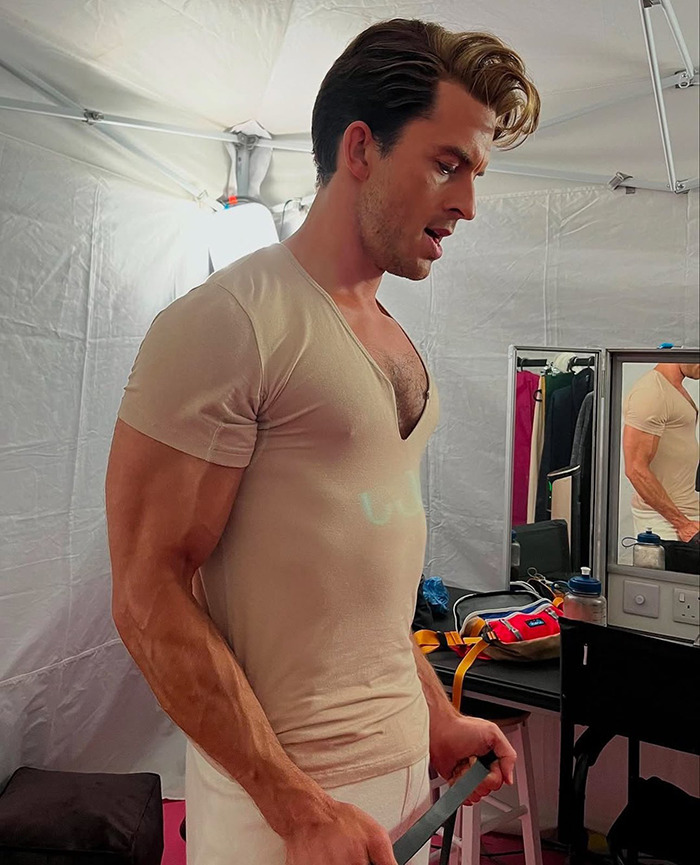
<point>357,148</point>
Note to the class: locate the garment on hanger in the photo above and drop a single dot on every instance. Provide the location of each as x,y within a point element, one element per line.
<point>555,381</point>
<point>526,385</point>
<point>582,455</point>
<point>536,445</point>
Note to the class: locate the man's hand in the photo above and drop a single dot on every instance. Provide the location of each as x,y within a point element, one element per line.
<point>348,837</point>
<point>688,530</point>
<point>461,741</point>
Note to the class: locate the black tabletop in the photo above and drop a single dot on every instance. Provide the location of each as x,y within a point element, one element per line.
<point>535,683</point>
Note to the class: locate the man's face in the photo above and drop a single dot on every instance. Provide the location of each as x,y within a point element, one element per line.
<point>425,184</point>
<point>691,370</point>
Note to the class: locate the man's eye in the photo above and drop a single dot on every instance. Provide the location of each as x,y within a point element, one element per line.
<point>447,169</point>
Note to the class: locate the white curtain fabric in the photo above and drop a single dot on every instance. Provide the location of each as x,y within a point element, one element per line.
<point>582,268</point>
<point>88,259</point>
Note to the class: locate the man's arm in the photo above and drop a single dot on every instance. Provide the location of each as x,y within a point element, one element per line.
<point>166,511</point>
<point>456,739</point>
<point>639,450</point>
<point>441,710</point>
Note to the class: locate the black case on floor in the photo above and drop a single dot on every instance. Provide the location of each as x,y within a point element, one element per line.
<point>61,818</point>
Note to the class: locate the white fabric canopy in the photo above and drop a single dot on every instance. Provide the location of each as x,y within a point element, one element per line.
<point>213,64</point>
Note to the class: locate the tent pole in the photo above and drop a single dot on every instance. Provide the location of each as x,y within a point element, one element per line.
<point>645,8</point>
<point>73,111</point>
<point>680,80</point>
<point>678,38</point>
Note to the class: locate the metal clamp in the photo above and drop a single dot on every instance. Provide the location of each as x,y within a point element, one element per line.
<point>93,116</point>
<point>618,179</point>
<point>247,141</point>
<point>685,80</point>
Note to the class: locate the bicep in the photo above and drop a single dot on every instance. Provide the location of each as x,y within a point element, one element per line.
<point>166,511</point>
<point>639,447</point>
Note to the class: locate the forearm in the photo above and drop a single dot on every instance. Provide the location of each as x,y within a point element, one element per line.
<point>655,496</point>
<point>199,683</point>
<point>439,706</point>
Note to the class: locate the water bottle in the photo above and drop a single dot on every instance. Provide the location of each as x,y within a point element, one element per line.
<point>648,552</point>
<point>584,600</point>
<point>514,556</point>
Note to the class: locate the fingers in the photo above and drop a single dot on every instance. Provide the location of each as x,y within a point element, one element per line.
<point>381,852</point>
<point>493,781</point>
<point>506,756</point>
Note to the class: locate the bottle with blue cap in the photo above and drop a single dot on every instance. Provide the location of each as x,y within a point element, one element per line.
<point>584,600</point>
<point>648,551</point>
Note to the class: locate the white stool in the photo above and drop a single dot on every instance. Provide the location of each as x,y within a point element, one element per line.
<point>472,821</point>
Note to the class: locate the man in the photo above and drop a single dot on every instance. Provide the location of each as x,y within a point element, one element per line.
<point>661,452</point>
<point>270,438</point>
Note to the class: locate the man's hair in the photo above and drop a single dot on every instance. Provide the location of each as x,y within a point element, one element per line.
<point>389,75</point>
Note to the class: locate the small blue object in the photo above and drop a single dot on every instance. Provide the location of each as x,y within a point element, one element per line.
<point>585,585</point>
<point>435,593</point>
<point>666,345</point>
<point>648,537</point>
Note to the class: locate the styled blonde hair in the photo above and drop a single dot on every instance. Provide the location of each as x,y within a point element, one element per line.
<point>389,75</point>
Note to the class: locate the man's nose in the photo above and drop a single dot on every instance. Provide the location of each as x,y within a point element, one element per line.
<point>464,200</point>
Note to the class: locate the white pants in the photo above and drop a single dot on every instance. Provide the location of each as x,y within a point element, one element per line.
<point>225,827</point>
<point>643,520</point>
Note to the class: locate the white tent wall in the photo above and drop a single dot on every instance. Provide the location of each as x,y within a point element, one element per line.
<point>584,267</point>
<point>88,260</point>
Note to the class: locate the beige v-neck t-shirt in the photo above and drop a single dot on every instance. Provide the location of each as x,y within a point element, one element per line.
<point>313,583</point>
<point>655,406</point>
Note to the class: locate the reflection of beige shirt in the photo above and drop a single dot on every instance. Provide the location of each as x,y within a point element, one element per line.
<point>655,406</point>
<point>314,581</point>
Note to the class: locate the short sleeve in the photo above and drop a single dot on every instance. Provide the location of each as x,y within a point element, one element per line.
<point>645,408</point>
<point>197,379</point>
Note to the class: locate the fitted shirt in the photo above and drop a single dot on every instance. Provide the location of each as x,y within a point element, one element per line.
<point>313,582</point>
<point>655,406</point>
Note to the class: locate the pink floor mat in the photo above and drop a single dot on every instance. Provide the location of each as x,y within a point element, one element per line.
<point>174,852</point>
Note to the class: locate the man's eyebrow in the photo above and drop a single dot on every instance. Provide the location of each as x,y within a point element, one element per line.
<point>459,154</point>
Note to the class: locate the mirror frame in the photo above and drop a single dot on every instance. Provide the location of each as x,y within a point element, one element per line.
<point>608,470</point>
<point>513,352</point>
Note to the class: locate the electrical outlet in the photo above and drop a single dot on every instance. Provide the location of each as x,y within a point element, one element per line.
<point>686,606</point>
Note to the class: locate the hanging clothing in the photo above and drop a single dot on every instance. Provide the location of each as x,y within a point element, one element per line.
<point>554,383</point>
<point>526,385</point>
<point>565,395</point>
<point>536,445</point>
<point>582,455</point>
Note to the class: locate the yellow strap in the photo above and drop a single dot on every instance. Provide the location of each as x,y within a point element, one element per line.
<point>464,665</point>
<point>429,642</point>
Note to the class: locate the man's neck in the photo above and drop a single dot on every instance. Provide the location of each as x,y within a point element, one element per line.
<point>329,248</point>
<point>671,372</point>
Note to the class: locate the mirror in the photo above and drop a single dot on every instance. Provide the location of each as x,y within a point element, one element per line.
<point>658,475</point>
<point>551,434</point>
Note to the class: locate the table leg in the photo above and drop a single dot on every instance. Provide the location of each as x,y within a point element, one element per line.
<point>632,790</point>
<point>566,767</point>
<point>587,749</point>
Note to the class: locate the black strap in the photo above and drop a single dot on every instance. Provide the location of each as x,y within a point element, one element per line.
<point>443,812</point>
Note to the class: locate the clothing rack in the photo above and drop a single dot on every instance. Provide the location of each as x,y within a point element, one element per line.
<point>535,362</point>
<point>541,362</point>
<point>580,361</point>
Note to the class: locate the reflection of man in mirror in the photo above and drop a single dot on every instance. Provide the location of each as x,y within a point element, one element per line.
<point>661,452</point>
